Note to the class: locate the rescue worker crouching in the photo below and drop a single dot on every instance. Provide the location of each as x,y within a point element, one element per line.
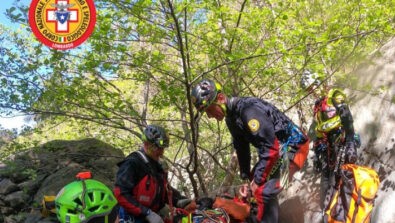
<point>254,121</point>
<point>141,183</point>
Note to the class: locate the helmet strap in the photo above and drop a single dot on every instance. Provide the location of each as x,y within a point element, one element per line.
<point>82,197</point>
<point>220,104</point>
<point>223,106</point>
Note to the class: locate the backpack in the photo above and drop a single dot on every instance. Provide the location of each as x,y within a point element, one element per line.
<point>352,200</point>
<point>48,206</point>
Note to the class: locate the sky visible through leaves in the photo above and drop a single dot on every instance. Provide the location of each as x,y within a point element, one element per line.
<point>18,120</point>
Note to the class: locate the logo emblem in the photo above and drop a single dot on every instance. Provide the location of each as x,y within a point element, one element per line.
<point>60,193</point>
<point>62,24</point>
<point>253,124</point>
<point>81,216</point>
<point>339,99</point>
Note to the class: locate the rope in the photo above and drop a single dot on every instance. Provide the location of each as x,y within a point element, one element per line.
<point>294,138</point>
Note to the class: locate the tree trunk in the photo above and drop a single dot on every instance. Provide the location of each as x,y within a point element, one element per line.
<point>232,168</point>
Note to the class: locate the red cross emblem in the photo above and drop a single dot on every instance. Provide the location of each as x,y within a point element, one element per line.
<point>64,17</point>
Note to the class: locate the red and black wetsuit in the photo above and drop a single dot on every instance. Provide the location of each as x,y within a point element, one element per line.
<point>257,122</point>
<point>140,185</point>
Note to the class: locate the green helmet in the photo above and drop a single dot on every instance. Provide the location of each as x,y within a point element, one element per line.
<point>70,208</point>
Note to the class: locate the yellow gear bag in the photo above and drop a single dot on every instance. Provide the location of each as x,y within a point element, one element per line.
<point>352,201</point>
<point>48,206</point>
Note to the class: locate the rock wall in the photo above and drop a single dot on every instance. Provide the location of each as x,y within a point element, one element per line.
<point>374,118</point>
<point>372,104</point>
<point>45,170</point>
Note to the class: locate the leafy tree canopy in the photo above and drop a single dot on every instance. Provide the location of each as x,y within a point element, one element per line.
<point>144,56</point>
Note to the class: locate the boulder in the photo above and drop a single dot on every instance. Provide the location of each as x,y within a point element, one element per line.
<point>29,187</point>
<point>3,170</point>
<point>7,186</point>
<point>6,210</point>
<point>9,220</point>
<point>32,218</point>
<point>16,199</point>
<point>51,166</point>
<point>18,170</point>
<point>48,220</point>
<point>53,183</point>
<point>20,217</point>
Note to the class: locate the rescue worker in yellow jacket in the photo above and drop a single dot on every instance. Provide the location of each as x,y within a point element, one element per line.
<point>334,126</point>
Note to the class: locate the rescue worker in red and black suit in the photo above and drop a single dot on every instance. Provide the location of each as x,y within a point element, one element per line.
<point>257,122</point>
<point>332,117</point>
<point>141,183</point>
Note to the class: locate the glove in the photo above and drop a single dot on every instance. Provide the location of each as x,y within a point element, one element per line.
<point>317,164</point>
<point>191,207</point>
<point>165,211</point>
<point>351,153</point>
<point>183,202</point>
<point>153,217</point>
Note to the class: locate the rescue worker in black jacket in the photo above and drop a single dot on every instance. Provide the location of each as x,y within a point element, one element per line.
<point>257,122</point>
<point>333,119</point>
<point>141,183</point>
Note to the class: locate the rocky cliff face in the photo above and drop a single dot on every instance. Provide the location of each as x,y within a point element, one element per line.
<point>45,170</point>
<point>374,119</point>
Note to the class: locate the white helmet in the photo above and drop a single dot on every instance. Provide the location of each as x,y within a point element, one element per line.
<point>309,78</point>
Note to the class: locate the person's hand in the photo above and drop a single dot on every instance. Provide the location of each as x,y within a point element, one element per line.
<point>191,206</point>
<point>153,217</point>
<point>243,191</point>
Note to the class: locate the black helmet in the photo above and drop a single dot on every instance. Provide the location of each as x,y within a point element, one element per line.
<point>156,135</point>
<point>309,78</point>
<point>204,93</point>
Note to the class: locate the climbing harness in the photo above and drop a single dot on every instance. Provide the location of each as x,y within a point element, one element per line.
<point>284,160</point>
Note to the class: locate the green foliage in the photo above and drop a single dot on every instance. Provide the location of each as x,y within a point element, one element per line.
<point>32,173</point>
<point>144,55</point>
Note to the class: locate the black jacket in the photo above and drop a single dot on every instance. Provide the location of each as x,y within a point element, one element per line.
<point>141,184</point>
<point>255,121</point>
